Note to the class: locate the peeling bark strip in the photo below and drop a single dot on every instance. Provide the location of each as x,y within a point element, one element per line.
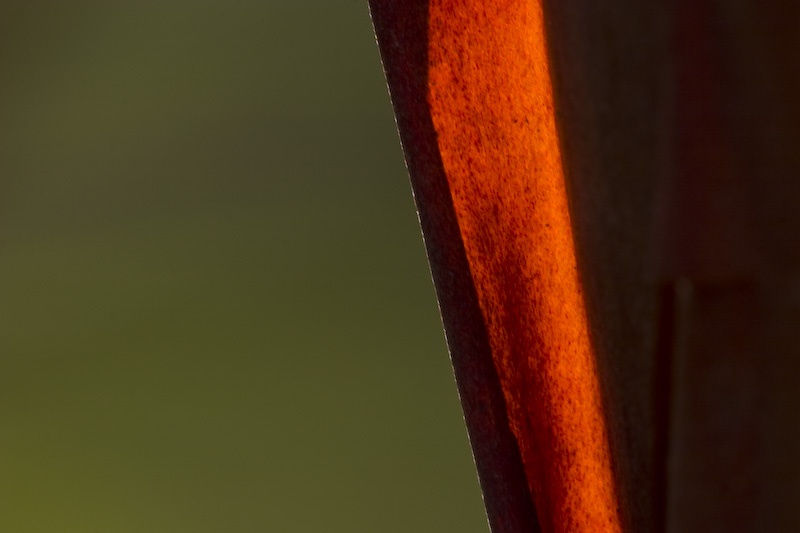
<point>492,105</point>
<point>472,93</point>
<point>401,27</point>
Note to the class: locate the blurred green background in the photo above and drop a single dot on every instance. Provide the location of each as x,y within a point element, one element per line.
<point>215,309</point>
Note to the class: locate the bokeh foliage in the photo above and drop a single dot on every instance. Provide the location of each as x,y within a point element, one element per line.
<point>215,311</point>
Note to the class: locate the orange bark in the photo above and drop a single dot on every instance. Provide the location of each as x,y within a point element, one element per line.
<point>491,103</point>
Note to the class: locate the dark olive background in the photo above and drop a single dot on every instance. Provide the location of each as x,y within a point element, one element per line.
<point>215,309</point>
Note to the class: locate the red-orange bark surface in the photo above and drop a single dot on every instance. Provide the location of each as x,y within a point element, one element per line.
<point>491,103</point>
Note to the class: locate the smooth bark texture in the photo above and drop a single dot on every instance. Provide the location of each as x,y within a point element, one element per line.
<point>731,233</point>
